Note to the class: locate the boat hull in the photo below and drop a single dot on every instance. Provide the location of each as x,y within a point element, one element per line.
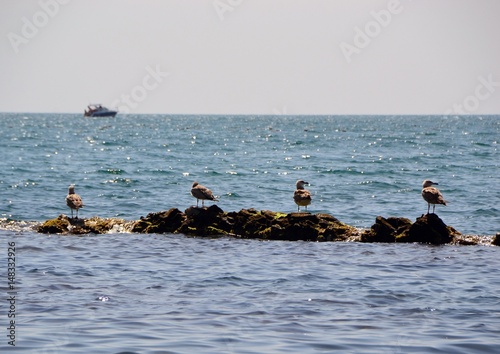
<point>102,114</point>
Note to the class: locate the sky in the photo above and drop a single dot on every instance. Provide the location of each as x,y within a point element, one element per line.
<point>251,56</point>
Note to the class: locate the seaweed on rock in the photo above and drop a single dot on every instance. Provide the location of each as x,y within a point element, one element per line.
<point>247,223</point>
<point>426,229</point>
<point>269,225</point>
<point>65,225</point>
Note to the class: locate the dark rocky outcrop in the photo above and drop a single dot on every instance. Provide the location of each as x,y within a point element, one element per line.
<point>429,228</point>
<point>426,229</point>
<point>58,225</point>
<point>496,240</point>
<point>161,222</point>
<point>270,225</point>
<point>247,223</point>
<point>386,230</point>
<point>95,225</point>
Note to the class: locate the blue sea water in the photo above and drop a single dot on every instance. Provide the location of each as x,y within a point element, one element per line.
<point>359,167</point>
<point>175,294</point>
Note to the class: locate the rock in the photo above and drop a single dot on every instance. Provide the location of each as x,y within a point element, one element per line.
<point>58,225</point>
<point>250,223</point>
<point>296,226</point>
<point>310,227</point>
<point>97,225</point>
<point>267,225</point>
<point>496,240</point>
<point>161,222</point>
<point>386,230</point>
<point>468,240</point>
<point>428,229</point>
<point>247,223</point>
<point>65,225</point>
<point>334,230</point>
<point>203,221</point>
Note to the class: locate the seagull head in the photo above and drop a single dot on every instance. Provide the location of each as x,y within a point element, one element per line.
<point>428,183</point>
<point>301,183</point>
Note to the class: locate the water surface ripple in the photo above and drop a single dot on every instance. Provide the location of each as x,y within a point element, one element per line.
<point>358,166</point>
<point>129,293</point>
<point>175,294</point>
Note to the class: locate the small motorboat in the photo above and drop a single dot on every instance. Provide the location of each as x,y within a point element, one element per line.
<point>98,110</point>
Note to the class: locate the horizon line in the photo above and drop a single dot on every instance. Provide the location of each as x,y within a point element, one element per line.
<point>267,114</point>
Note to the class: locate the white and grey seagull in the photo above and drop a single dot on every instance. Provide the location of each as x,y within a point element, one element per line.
<point>201,192</point>
<point>301,196</point>
<point>73,200</point>
<point>432,195</point>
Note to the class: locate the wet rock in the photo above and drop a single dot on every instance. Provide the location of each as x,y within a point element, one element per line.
<point>160,222</point>
<point>211,221</point>
<point>97,225</point>
<point>386,230</point>
<point>267,225</point>
<point>496,240</point>
<point>381,231</point>
<point>65,225</point>
<point>428,229</point>
<point>469,240</point>
<point>247,223</point>
<point>311,227</point>
<point>250,223</point>
<point>331,229</point>
<point>298,226</point>
<point>58,225</point>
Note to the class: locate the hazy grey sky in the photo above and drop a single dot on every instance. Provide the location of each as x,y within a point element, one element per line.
<point>251,56</point>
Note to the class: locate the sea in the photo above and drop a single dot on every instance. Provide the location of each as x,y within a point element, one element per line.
<point>169,293</point>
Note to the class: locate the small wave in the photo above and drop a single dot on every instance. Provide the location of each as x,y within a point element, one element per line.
<point>17,226</point>
<point>120,229</point>
<point>232,195</point>
<point>102,298</point>
<point>74,248</point>
<point>119,181</point>
<point>111,171</point>
<point>29,249</point>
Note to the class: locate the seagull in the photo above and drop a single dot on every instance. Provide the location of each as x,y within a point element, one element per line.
<point>201,192</point>
<point>431,195</point>
<point>73,200</point>
<point>301,196</point>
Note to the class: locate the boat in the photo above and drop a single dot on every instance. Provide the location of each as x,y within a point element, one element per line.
<point>98,110</point>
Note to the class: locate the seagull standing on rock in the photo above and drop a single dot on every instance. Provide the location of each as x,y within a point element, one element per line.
<point>432,195</point>
<point>73,200</point>
<point>301,196</point>
<point>201,192</point>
